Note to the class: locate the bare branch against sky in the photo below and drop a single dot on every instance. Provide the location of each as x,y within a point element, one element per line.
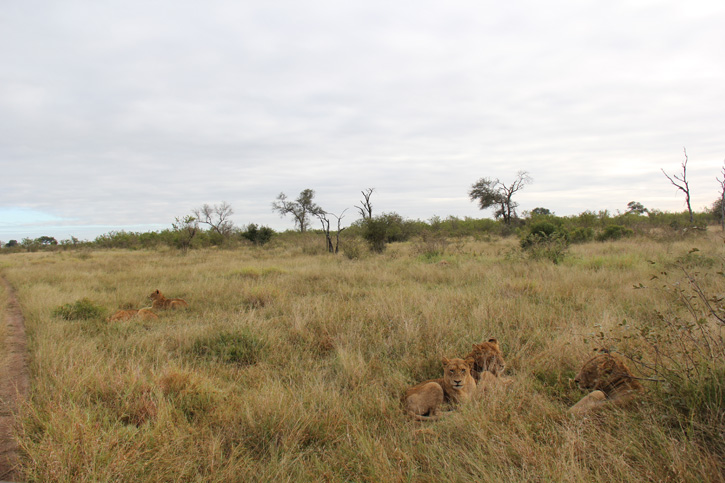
<point>128,114</point>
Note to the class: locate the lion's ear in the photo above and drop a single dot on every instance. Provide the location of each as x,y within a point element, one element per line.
<point>471,362</point>
<point>445,361</point>
<point>493,341</point>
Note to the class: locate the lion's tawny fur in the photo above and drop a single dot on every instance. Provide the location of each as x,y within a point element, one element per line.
<point>487,357</point>
<point>161,302</point>
<point>610,381</point>
<point>143,314</point>
<point>456,386</point>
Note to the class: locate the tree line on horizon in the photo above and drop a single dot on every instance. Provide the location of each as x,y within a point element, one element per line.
<point>390,227</point>
<point>211,225</point>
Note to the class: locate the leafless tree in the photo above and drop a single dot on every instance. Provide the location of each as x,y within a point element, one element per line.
<point>217,217</point>
<point>680,182</point>
<point>492,192</point>
<point>301,209</point>
<point>722,198</point>
<point>322,216</point>
<point>366,210</point>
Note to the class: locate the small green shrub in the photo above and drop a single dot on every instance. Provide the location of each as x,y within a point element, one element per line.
<point>553,248</point>
<point>83,309</point>
<point>546,241</point>
<point>582,235</point>
<point>242,348</point>
<point>386,228</point>
<point>614,232</point>
<point>258,235</point>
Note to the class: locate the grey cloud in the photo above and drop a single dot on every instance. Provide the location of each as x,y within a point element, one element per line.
<point>124,113</point>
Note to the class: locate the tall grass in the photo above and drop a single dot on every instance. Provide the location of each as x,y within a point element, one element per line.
<point>290,363</point>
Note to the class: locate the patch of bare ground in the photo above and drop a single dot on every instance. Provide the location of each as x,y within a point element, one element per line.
<point>14,380</point>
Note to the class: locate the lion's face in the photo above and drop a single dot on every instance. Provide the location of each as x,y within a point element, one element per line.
<point>606,373</point>
<point>456,372</point>
<point>487,356</point>
<point>155,294</point>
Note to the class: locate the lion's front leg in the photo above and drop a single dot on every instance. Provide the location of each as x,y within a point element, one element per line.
<point>588,402</point>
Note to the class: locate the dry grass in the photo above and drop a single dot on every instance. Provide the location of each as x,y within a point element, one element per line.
<point>289,366</point>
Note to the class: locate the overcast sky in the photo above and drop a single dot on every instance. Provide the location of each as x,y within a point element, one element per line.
<point>122,115</point>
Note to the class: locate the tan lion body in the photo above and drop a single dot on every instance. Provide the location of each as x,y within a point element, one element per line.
<point>610,381</point>
<point>143,314</point>
<point>488,361</point>
<point>161,302</point>
<point>456,386</point>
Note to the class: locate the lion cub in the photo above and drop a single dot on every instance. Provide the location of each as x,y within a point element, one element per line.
<point>161,302</point>
<point>457,386</point>
<point>610,380</point>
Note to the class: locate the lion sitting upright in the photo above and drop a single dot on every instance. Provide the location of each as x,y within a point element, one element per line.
<point>161,302</point>
<point>456,386</point>
<point>488,362</point>
<point>610,381</point>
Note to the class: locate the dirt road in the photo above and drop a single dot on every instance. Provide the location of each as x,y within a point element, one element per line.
<point>14,379</point>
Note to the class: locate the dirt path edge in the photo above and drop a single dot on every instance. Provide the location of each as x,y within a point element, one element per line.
<point>14,380</point>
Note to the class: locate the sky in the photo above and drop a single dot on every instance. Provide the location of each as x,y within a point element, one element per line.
<point>123,115</point>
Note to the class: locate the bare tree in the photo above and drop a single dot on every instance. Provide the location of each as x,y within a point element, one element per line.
<point>366,210</point>
<point>680,182</point>
<point>722,198</point>
<point>322,216</point>
<point>217,217</point>
<point>492,192</point>
<point>301,209</point>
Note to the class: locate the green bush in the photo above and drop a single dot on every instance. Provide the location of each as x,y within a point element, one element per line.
<point>546,241</point>
<point>614,232</point>
<point>582,235</point>
<point>83,309</point>
<point>258,235</point>
<point>553,248</point>
<point>386,228</point>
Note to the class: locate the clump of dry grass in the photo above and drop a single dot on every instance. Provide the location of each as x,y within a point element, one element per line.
<point>290,363</point>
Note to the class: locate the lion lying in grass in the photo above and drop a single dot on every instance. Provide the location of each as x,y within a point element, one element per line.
<point>456,386</point>
<point>610,381</point>
<point>161,302</point>
<point>143,314</point>
<point>487,357</point>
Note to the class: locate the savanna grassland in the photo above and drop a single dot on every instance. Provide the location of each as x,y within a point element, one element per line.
<point>290,363</point>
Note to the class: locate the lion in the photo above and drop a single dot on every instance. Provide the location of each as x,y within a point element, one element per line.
<point>456,386</point>
<point>610,381</point>
<point>488,358</point>
<point>161,302</point>
<point>143,314</point>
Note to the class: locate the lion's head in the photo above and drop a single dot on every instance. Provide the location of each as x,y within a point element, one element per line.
<point>156,294</point>
<point>487,356</point>
<point>607,373</point>
<point>456,372</point>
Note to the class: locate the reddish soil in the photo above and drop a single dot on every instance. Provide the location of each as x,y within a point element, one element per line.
<point>14,380</point>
